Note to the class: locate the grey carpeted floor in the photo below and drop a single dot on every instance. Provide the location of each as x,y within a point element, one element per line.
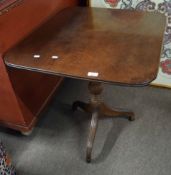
<point>57,144</point>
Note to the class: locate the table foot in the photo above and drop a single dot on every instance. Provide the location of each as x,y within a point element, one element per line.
<point>92,134</point>
<point>106,111</point>
<point>82,105</point>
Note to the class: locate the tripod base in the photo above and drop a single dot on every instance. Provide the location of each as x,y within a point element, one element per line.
<point>97,108</point>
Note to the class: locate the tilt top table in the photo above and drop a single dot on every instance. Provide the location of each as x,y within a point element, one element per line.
<point>99,45</point>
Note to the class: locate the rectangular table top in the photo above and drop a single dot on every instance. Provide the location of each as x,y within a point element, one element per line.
<point>117,46</point>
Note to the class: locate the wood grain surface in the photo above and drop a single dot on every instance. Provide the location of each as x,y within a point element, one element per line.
<point>119,46</point>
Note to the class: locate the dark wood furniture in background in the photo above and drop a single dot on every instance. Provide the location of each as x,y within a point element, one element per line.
<point>98,45</point>
<point>24,94</point>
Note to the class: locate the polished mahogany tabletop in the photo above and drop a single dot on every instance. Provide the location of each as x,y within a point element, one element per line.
<point>116,46</point>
